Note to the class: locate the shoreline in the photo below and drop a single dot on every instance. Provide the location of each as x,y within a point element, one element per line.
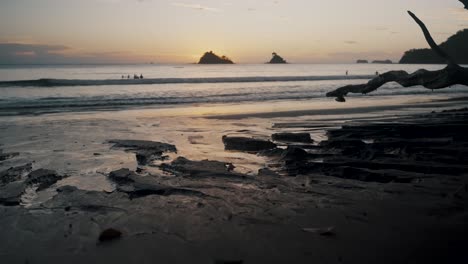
<point>149,81</point>
<point>301,206</point>
<point>262,109</point>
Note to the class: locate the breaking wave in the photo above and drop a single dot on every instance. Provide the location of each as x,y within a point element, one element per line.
<point>80,82</point>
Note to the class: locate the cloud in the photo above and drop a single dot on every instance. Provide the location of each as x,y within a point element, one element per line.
<point>119,1</point>
<point>16,53</point>
<point>369,55</point>
<point>381,28</point>
<point>197,7</point>
<point>442,33</point>
<point>29,50</point>
<point>459,14</point>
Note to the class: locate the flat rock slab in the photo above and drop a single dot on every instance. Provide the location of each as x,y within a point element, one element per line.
<point>70,198</point>
<point>294,153</point>
<point>43,178</point>
<point>109,235</point>
<point>247,144</point>
<point>143,144</point>
<point>292,137</point>
<point>14,173</point>
<point>343,143</point>
<point>5,156</point>
<point>266,172</point>
<point>145,151</point>
<point>122,176</point>
<point>205,168</point>
<point>10,194</point>
<point>137,186</point>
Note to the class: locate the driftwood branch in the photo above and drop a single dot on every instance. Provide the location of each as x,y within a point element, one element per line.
<point>431,41</point>
<point>451,75</point>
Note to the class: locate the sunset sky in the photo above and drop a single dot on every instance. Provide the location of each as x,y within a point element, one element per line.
<point>173,31</point>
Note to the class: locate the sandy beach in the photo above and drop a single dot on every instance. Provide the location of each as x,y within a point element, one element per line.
<point>208,184</point>
<point>233,132</point>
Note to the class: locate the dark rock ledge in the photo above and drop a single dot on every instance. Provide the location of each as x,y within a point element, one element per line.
<point>145,151</point>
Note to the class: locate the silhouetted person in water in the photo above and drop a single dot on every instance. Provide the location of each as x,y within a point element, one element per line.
<point>141,76</point>
<point>128,76</point>
<point>135,77</point>
<point>377,73</point>
<point>346,73</point>
<point>123,77</point>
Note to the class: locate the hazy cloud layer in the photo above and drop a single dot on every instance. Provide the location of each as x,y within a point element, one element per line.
<point>370,55</point>
<point>15,53</point>
<point>197,7</point>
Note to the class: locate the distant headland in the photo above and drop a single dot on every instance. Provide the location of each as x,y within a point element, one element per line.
<point>454,45</point>
<point>212,58</point>
<point>277,59</point>
<point>382,62</point>
<point>375,61</point>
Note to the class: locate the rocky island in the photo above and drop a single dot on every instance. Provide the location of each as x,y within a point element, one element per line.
<point>277,59</point>
<point>212,58</point>
<point>362,61</point>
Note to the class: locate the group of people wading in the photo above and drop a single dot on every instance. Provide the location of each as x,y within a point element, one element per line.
<point>134,76</point>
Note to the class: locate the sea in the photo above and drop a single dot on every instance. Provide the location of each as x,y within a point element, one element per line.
<point>62,117</point>
<point>42,89</point>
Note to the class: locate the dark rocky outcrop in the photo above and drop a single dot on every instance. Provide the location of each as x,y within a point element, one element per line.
<point>456,46</point>
<point>204,168</point>
<point>348,145</point>
<point>143,144</point>
<point>67,189</point>
<point>70,198</point>
<point>400,151</point>
<point>212,58</point>
<point>247,144</point>
<point>137,186</point>
<point>277,59</point>
<point>266,172</point>
<point>145,151</point>
<point>294,154</point>
<point>294,161</point>
<point>292,137</point>
<point>14,173</point>
<point>272,153</point>
<point>5,156</point>
<point>12,185</point>
<point>43,178</point>
<point>10,194</point>
<point>362,61</point>
<point>291,160</point>
<point>122,176</point>
<point>109,235</point>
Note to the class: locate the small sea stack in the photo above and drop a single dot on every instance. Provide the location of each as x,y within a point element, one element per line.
<point>212,58</point>
<point>277,59</point>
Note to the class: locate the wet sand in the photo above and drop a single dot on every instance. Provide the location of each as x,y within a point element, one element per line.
<point>359,193</point>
